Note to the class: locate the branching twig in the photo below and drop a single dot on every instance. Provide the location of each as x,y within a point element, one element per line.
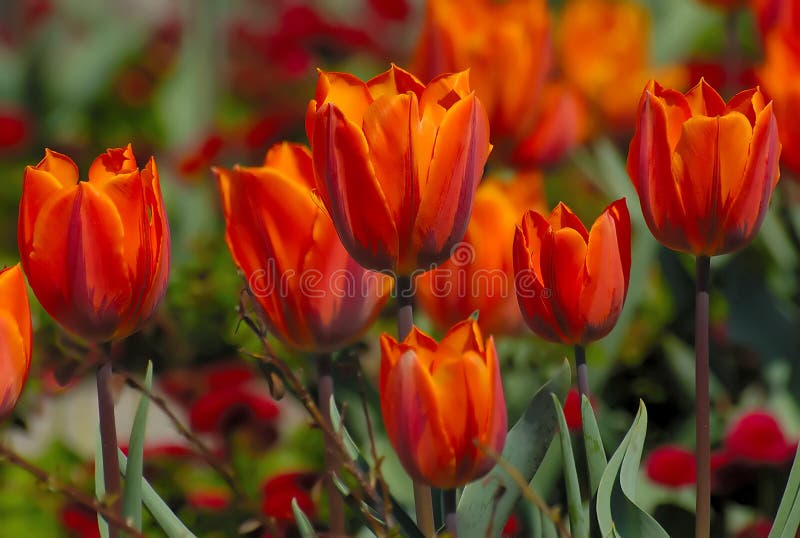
<point>58,486</point>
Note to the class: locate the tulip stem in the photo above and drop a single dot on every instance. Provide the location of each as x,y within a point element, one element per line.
<point>108,439</point>
<point>702,400</point>
<point>325,392</point>
<point>582,370</point>
<point>449,502</point>
<point>423,499</point>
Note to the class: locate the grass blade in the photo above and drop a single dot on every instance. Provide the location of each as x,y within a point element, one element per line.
<point>132,494</point>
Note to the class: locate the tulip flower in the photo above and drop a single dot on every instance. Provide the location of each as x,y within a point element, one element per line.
<point>397,164</point>
<point>704,170</point>
<point>494,40</point>
<point>313,295</point>
<point>671,466</point>
<point>571,284</point>
<point>15,337</point>
<point>441,402</point>
<point>96,252</point>
<point>604,54</point>
<point>480,274</point>
<point>782,59</point>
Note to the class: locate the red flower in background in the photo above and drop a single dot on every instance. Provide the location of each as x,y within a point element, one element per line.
<point>279,491</point>
<point>14,128</point>
<point>671,466</point>
<point>757,437</point>
<point>79,521</point>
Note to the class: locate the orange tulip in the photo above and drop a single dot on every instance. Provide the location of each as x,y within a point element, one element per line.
<point>604,53</point>
<point>571,284</point>
<point>778,76</point>
<point>313,295</point>
<point>397,163</point>
<point>441,402</point>
<point>15,337</point>
<point>704,171</point>
<point>96,252</point>
<point>496,41</point>
<point>480,274</point>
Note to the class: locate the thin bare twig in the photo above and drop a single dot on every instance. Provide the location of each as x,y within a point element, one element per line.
<point>387,506</point>
<point>58,486</point>
<point>222,468</point>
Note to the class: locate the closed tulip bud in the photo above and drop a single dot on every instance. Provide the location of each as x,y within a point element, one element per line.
<point>571,284</point>
<point>480,274</point>
<point>96,252</point>
<point>313,295</point>
<point>397,163</point>
<point>15,337</point>
<point>704,170</point>
<point>442,403</point>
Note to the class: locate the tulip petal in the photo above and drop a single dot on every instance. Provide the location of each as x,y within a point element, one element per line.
<point>14,301</point>
<point>563,217</point>
<point>704,100</point>
<point>745,210</point>
<point>388,125</point>
<point>14,362</point>
<point>460,151</point>
<point>114,162</point>
<point>347,92</point>
<point>60,167</point>
<point>293,161</point>
<point>348,186</point>
<point>395,81</point>
<point>606,275</point>
<point>563,262</point>
<point>533,292</point>
<point>413,420</point>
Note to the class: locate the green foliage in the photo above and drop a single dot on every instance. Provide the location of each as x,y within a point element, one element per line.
<point>578,513</point>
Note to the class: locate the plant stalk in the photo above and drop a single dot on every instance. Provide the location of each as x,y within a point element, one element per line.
<point>325,392</point>
<point>423,500</point>
<point>582,370</point>
<point>108,440</point>
<point>702,400</point>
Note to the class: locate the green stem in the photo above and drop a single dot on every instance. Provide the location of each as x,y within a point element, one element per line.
<point>325,392</point>
<point>423,500</point>
<point>702,400</point>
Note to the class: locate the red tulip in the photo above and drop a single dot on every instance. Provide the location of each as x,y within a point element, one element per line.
<point>313,295</point>
<point>704,170</point>
<point>15,337</point>
<point>571,284</point>
<point>397,163</point>
<point>96,252</point>
<point>671,466</point>
<point>440,402</point>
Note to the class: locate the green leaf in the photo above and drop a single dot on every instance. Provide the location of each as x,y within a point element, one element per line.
<point>132,495</point>
<point>486,504</point>
<point>100,484</point>
<point>786,520</point>
<point>171,524</point>
<point>303,524</point>
<point>336,423</point>
<point>578,518</point>
<point>595,453</point>
<point>625,462</point>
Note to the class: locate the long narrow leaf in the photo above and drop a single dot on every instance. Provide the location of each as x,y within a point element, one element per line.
<point>132,494</point>
<point>171,524</point>
<point>789,499</point>
<point>303,524</point>
<point>595,453</point>
<point>486,504</point>
<point>578,518</point>
<point>100,484</point>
